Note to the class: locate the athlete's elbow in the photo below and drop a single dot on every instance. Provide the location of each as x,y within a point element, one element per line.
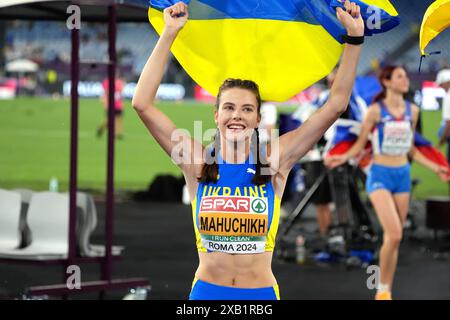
<point>139,105</point>
<point>341,108</point>
<point>338,103</point>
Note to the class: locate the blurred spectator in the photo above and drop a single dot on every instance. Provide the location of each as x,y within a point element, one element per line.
<point>52,82</point>
<point>118,108</point>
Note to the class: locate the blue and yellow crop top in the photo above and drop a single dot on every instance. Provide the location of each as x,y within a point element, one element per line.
<point>234,215</point>
<point>393,136</point>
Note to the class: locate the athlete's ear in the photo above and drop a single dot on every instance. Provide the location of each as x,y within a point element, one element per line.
<point>386,82</point>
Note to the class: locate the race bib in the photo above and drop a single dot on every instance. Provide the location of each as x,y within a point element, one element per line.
<point>234,224</point>
<point>397,138</point>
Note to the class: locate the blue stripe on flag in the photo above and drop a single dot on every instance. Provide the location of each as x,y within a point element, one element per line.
<point>316,12</point>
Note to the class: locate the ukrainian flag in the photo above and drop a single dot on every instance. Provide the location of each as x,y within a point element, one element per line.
<point>282,45</point>
<point>435,20</point>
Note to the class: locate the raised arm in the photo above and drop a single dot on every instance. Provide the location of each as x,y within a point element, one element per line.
<point>295,144</point>
<point>158,124</point>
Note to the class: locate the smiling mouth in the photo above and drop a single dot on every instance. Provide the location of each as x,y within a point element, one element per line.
<point>236,127</point>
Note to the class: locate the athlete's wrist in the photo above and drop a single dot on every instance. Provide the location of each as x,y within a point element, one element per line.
<point>355,32</point>
<point>436,169</point>
<point>352,39</point>
<point>170,32</point>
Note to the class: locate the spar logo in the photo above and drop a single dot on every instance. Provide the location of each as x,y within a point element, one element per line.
<point>225,204</point>
<point>259,206</point>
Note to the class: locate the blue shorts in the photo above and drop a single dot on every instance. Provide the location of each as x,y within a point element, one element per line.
<point>393,179</point>
<point>202,290</point>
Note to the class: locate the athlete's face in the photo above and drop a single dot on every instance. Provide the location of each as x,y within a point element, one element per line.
<point>237,114</point>
<point>399,81</point>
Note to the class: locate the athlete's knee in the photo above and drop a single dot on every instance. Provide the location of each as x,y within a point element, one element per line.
<point>393,238</point>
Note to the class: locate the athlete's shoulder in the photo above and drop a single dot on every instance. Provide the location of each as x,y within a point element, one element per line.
<point>414,113</point>
<point>414,107</point>
<point>374,111</point>
<point>374,106</point>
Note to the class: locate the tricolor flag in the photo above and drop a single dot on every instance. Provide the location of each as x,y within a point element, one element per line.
<point>426,148</point>
<point>346,133</point>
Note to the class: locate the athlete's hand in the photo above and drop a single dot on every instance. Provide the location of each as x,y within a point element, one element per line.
<point>443,173</point>
<point>335,160</point>
<point>351,19</point>
<point>175,17</point>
